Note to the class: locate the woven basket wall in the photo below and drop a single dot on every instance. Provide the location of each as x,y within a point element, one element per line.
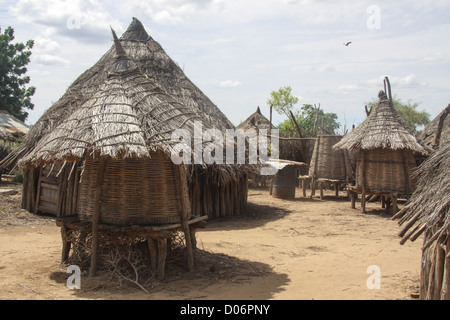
<point>327,163</point>
<point>385,170</point>
<point>134,191</point>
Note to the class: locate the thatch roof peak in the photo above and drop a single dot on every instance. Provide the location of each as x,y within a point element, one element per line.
<point>122,61</point>
<point>256,121</point>
<point>383,128</point>
<point>120,51</point>
<point>136,31</point>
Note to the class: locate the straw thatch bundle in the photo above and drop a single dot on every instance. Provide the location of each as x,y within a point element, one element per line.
<point>385,147</point>
<point>428,213</point>
<point>437,132</point>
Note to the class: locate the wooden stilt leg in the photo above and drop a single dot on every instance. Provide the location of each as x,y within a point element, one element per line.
<point>65,244</point>
<point>394,203</point>
<point>352,198</point>
<point>363,201</point>
<point>321,190</point>
<point>189,250</point>
<point>152,248</point>
<point>304,187</point>
<point>162,254</point>
<point>336,188</point>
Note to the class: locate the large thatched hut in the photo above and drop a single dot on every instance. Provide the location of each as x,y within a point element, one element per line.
<point>114,155</point>
<point>215,190</point>
<point>385,147</point>
<point>428,213</point>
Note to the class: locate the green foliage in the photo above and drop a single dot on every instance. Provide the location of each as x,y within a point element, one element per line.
<point>282,100</point>
<point>306,119</point>
<point>14,95</point>
<point>408,111</point>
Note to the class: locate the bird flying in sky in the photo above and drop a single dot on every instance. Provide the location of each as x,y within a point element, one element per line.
<point>347,43</point>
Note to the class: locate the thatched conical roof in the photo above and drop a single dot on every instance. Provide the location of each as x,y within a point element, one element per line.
<point>437,131</point>
<point>383,128</point>
<point>429,206</point>
<point>256,121</point>
<point>128,116</point>
<point>152,60</point>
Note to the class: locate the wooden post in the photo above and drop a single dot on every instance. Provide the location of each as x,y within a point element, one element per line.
<point>96,217</point>
<point>162,254</point>
<point>321,190</point>
<point>394,203</point>
<point>406,173</point>
<point>184,220</point>
<point>216,200</point>
<point>152,248</point>
<point>363,180</point>
<point>223,204</point>
<point>352,197</point>
<point>65,244</point>
<point>304,187</point>
<point>336,187</point>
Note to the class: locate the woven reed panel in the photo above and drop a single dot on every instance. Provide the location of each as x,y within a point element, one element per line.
<point>134,191</point>
<point>385,171</point>
<point>327,163</point>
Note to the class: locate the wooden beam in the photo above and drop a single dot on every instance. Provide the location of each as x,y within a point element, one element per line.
<point>96,217</point>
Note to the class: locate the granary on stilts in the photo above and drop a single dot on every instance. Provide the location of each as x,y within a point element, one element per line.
<point>251,128</point>
<point>113,157</point>
<point>328,165</point>
<point>385,148</point>
<point>215,190</point>
<point>427,213</point>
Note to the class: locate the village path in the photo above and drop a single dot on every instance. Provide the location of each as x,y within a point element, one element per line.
<point>293,250</point>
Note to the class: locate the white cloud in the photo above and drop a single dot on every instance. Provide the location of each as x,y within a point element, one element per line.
<point>229,84</point>
<point>85,20</point>
<point>408,81</point>
<point>49,60</point>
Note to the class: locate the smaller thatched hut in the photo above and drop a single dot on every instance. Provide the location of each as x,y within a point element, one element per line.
<point>428,213</point>
<point>256,121</point>
<point>385,147</point>
<point>329,165</point>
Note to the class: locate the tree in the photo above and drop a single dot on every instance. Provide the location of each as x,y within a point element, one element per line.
<point>408,111</point>
<point>310,120</point>
<point>14,95</point>
<point>282,100</point>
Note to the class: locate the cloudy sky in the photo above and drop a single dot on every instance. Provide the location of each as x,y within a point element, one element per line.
<point>238,51</point>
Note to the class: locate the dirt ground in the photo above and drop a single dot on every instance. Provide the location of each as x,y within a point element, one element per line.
<point>301,249</point>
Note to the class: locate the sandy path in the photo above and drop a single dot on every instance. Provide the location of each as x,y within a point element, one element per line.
<point>301,249</point>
